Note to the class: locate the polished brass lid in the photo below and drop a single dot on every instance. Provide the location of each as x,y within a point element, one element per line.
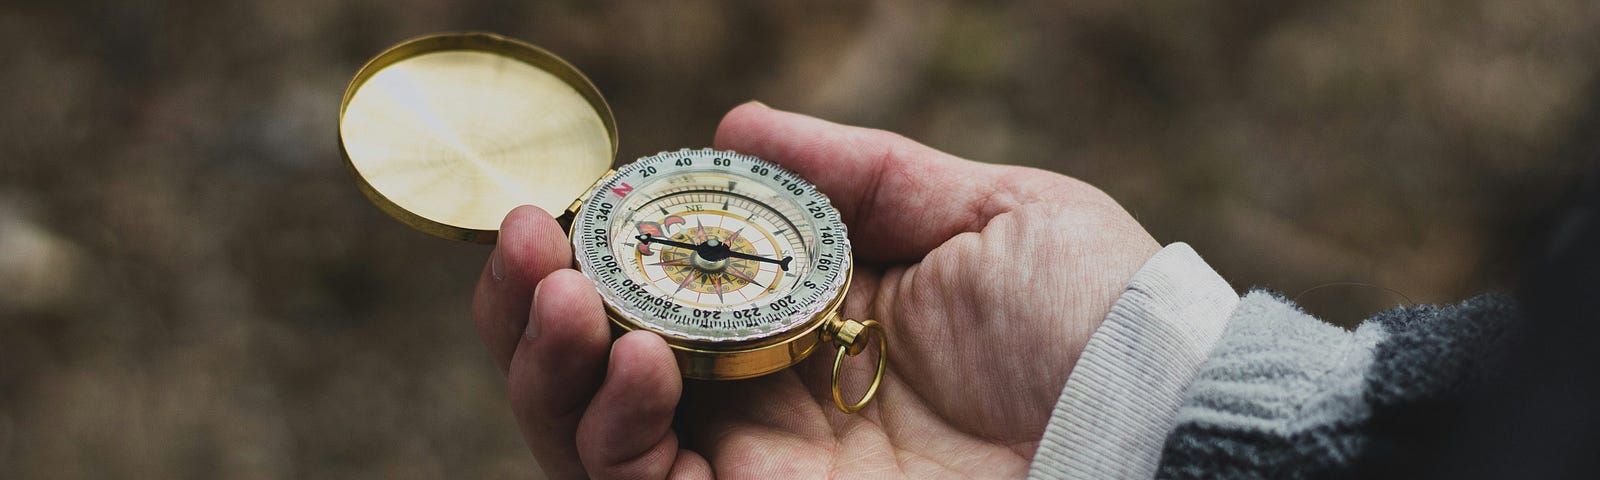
<point>448,133</point>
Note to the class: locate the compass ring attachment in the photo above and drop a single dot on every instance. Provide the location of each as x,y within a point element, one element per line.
<point>851,338</point>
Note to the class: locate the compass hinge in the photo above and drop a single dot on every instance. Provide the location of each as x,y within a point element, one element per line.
<point>578,202</point>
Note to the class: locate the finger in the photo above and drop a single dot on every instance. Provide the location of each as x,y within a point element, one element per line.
<point>559,363</point>
<point>627,430</point>
<point>530,246</point>
<point>690,465</point>
<point>900,198</point>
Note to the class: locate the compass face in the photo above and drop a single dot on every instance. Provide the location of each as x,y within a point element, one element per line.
<point>711,246</point>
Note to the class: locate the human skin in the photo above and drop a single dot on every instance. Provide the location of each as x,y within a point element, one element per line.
<point>988,280</point>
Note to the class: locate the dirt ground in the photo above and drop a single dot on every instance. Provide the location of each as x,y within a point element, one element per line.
<point>192,287</point>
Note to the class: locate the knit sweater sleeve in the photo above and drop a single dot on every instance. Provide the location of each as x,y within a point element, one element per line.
<point>1284,395</point>
<point>1184,379</point>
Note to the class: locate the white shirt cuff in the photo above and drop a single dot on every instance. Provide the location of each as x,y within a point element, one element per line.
<point>1114,414</point>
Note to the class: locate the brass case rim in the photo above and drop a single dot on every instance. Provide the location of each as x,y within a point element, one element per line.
<point>472,41</point>
<point>722,361</point>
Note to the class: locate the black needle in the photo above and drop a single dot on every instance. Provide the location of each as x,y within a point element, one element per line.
<point>783,264</point>
<point>714,250</point>
<point>648,238</point>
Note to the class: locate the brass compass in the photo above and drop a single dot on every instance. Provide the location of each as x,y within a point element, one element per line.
<point>739,264</point>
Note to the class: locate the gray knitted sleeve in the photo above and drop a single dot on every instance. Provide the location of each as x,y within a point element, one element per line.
<point>1284,395</point>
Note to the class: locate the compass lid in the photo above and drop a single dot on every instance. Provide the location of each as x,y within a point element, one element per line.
<point>447,133</point>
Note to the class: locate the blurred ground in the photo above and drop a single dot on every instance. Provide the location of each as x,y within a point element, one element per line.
<point>190,286</point>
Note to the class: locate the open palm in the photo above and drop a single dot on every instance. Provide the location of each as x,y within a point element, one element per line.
<point>988,279</point>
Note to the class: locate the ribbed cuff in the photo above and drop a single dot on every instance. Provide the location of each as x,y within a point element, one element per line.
<point>1120,400</point>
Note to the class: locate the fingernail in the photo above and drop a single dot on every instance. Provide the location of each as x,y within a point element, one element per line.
<point>758,102</point>
<point>496,270</point>
<point>532,330</point>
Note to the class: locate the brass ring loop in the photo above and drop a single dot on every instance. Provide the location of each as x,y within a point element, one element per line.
<point>877,378</point>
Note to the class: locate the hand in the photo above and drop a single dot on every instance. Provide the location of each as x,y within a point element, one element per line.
<point>983,342</point>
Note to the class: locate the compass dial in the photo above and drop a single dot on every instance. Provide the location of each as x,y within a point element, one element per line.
<point>711,246</point>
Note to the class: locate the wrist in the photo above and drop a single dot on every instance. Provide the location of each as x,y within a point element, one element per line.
<point>1128,269</point>
<point>1120,399</point>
